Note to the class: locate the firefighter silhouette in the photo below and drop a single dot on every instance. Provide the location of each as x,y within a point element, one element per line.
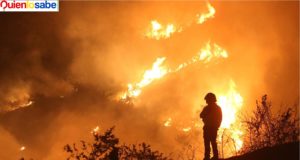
<point>212,118</point>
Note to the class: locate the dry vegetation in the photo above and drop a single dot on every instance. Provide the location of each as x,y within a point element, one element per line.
<point>263,129</point>
<point>267,129</point>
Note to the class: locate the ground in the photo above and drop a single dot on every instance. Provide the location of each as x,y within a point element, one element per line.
<point>282,152</point>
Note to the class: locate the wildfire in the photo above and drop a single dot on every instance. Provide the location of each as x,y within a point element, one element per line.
<point>158,31</point>
<point>231,102</point>
<point>207,53</point>
<point>236,135</point>
<point>159,70</point>
<point>203,17</point>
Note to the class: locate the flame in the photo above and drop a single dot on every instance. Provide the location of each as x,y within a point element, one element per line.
<point>204,17</point>
<point>207,53</point>
<point>16,104</point>
<point>17,97</point>
<point>159,31</point>
<point>231,102</point>
<point>95,130</point>
<point>29,103</point>
<point>168,122</point>
<point>158,70</point>
<point>236,136</point>
<point>22,148</point>
<point>187,129</point>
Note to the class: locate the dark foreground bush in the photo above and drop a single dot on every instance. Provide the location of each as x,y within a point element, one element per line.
<point>106,147</point>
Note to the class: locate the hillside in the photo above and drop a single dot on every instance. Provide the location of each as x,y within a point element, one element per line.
<point>282,152</point>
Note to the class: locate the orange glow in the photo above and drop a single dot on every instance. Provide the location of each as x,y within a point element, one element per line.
<point>139,71</point>
<point>168,122</point>
<point>230,101</point>
<point>17,104</point>
<point>22,148</point>
<point>16,98</point>
<point>29,103</point>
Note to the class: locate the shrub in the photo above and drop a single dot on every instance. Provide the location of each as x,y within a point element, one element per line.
<point>265,129</point>
<point>105,147</point>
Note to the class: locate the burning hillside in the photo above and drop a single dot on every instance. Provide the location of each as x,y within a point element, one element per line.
<point>145,68</point>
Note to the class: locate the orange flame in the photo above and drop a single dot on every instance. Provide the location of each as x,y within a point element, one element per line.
<point>204,17</point>
<point>16,98</point>
<point>231,102</point>
<point>159,31</point>
<point>158,70</point>
<point>206,54</point>
<point>16,104</point>
<point>187,129</point>
<point>95,130</point>
<point>168,122</point>
<point>22,148</point>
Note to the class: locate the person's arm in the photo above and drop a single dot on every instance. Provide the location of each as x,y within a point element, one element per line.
<point>203,113</point>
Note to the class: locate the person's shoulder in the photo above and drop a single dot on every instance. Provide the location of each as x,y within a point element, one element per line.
<point>219,108</point>
<point>205,107</point>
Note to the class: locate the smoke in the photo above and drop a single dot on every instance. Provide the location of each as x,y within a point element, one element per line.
<point>73,63</point>
<point>34,57</point>
<point>9,145</point>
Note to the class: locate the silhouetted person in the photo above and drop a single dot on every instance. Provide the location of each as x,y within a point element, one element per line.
<point>212,118</point>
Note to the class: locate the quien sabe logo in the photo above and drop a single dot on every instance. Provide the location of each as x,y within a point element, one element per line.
<point>29,5</point>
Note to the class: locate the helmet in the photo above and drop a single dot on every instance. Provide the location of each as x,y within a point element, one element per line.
<point>210,97</point>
